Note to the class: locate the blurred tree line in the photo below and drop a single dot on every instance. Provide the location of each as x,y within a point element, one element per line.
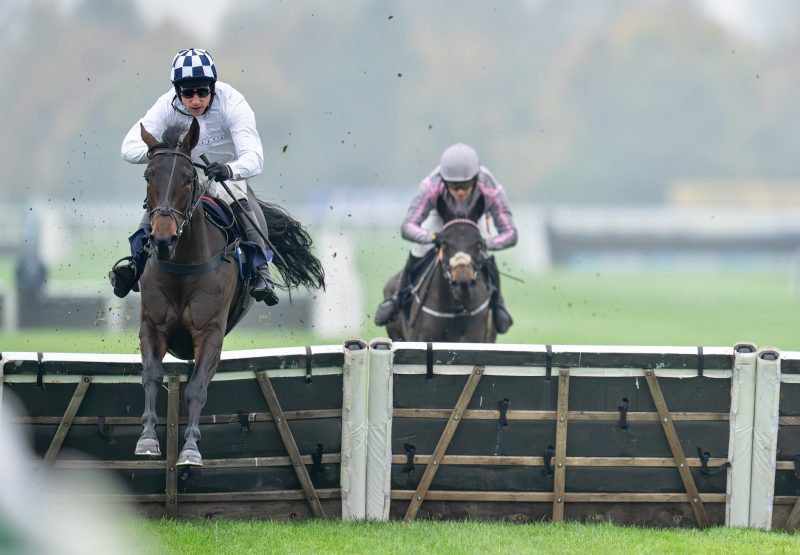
<point>565,100</point>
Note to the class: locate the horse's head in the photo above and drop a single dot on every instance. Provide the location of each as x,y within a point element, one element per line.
<point>461,255</point>
<point>172,187</point>
<point>463,249</point>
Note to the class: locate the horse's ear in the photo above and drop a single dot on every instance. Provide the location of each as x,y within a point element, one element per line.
<point>192,137</point>
<point>148,139</point>
<point>478,207</point>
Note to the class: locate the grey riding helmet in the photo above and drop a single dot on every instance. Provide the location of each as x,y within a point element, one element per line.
<point>459,163</point>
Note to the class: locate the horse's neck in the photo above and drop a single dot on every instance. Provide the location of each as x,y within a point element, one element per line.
<point>196,244</point>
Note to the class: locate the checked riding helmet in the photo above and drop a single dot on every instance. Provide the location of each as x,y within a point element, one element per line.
<point>193,65</point>
<point>459,163</point>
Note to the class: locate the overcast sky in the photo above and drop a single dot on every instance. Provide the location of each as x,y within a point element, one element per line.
<point>763,21</point>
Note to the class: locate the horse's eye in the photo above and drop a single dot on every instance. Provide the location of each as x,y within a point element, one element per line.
<point>147,178</point>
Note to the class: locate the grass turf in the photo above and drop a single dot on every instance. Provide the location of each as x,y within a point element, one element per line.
<point>219,537</point>
<point>668,308</point>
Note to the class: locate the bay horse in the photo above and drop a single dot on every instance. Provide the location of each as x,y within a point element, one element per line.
<point>451,300</point>
<point>191,283</point>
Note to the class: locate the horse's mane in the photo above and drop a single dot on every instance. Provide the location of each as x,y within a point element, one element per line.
<point>171,138</point>
<point>173,134</point>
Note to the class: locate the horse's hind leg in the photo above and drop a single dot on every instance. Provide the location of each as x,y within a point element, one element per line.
<point>153,351</point>
<point>207,348</point>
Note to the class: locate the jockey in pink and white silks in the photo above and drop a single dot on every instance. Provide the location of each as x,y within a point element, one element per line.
<point>228,138</point>
<point>460,176</point>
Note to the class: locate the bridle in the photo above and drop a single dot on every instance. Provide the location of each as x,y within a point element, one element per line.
<point>454,261</point>
<point>447,273</point>
<point>166,210</point>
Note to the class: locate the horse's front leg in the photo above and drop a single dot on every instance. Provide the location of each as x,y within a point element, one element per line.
<point>153,346</point>
<point>207,349</point>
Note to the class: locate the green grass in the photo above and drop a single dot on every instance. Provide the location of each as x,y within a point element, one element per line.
<point>674,307</point>
<point>668,308</point>
<point>90,341</point>
<point>313,537</point>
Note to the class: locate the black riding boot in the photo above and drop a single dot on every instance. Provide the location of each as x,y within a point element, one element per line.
<point>262,288</point>
<point>501,317</point>
<point>388,309</point>
<point>124,275</point>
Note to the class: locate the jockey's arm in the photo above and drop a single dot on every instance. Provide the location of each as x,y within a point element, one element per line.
<point>241,123</point>
<point>501,215</point>
<point>421,205</point>
<point>155,121</point>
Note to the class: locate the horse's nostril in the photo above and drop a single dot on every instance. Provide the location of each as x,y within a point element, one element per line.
<point>173,240</point>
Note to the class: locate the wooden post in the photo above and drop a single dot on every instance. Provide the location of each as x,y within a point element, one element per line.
<point>444,442</point>
<point>677,451</point>
<point>560,476</point>
<point>171,493</point>
<point>289,443</point>
<point>793,521</point>
<point>66,421</point>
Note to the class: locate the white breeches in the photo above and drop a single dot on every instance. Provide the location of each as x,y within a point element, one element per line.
<point>238,188</point>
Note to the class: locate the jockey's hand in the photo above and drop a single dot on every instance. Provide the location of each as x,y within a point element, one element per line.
<point>436,240</point>
<point>218,172</point>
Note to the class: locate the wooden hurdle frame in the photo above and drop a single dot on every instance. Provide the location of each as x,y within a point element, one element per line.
<point>366,460</point>
<point>232,504</point>
<point>561,416</point>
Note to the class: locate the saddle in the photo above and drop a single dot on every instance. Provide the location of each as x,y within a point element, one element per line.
<point>249,255</point>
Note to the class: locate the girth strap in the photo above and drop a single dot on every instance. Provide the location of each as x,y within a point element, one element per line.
<point>194,269</point>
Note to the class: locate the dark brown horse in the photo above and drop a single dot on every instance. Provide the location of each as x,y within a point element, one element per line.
<point>191,283</point>
<point>451,300</point>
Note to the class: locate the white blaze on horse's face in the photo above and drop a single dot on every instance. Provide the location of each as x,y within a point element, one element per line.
<point>461,268</point>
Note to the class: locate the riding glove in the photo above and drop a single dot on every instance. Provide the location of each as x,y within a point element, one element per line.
<point>436,240</point>
<point>218,172</point>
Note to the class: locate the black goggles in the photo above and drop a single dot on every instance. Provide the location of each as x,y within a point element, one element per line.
<point>202,92</point>
<point>459,185</point>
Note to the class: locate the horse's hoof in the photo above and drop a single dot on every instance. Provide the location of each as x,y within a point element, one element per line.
<point>189,457</point>
<point>147,447</point>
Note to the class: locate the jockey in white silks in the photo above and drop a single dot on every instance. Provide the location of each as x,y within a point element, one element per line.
<point>229,140</point>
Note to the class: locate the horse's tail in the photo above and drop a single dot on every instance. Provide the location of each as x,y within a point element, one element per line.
<point>293,259</point>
